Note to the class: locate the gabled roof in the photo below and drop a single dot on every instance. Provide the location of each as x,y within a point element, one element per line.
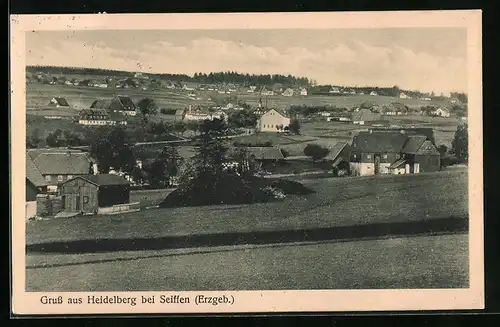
<point>265,153</point>
<point>385,142</point>
<point>335,150</point>
<point>101,104</point>
<point>106,179</point>
<point>61,101</point>
<point>365,115</point>
<point>33,174</point>
<point>413,143</point>
<point>278,111</point>
<point>60,163</point>
<point>126,101</point>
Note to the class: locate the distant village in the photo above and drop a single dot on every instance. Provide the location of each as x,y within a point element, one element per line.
<point>65,181</point>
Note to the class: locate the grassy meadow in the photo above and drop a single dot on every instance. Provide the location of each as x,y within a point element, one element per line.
<point>337,202</point>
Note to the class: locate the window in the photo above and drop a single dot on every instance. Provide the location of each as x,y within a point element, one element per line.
<point>48,178</point>
<point>60,178</point>
<point>385,156</point>
<point>70,177</point>
<point>85,199</point>
<point>368,156</point>
<point>354,155</point>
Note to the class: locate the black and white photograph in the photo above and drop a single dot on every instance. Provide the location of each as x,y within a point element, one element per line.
<point>247,159</point>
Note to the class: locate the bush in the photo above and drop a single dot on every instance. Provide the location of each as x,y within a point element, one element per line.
<point>206,189</point>
<point>315,151</point>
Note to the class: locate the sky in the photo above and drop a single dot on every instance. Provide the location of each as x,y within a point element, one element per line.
<point>424,59</point>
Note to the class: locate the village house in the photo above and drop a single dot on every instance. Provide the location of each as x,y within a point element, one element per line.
<point>303,92</point>
<point>339,116</point>
<point>377,152</point>
<point>288,92</point>
<point>364,117</point>
<point>338,158</point>
<point>373,93</point>
<point>96,194</point>
<point>58,102</point>
<point>59,165</point>
<point>120,103</point>
<point>272,120</point>
<point>403,95</point>
<point>35,184</point>
<point>199,116</point>
<point>324,113</point>
<point>98,117</point>
<point>334,90</point>
<point>442,112</point>
<point>252,89</point>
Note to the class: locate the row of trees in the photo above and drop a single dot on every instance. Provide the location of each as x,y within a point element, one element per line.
<point>251,79</point>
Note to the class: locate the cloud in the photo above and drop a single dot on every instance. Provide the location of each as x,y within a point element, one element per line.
<point>347,63</point>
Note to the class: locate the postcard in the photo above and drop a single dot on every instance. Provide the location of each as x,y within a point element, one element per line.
<point>246,162</point>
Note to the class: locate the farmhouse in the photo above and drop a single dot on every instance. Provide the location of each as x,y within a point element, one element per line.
<point>119,103</point>
<point>334,90</point>
<point>340,116</point>
<point>441,112</point>
<point>58,102</point>
<point>98,117</point>
<point>272,120</point>
<point>288,92</point>
<point>88,194</point>
<point>403,95</point>
<point>35,184</point>
<point>303,92</point>
<point>373,93</point>
<point>392,152</point>
<point>57,166</point>
<point>338,157</point>
<point>364,117</point>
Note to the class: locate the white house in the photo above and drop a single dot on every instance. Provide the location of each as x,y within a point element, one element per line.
<point>373,93</point>
<point>303,92</point>
<point>324,113</point>
<point>288,92</point>
<point>441,112</point>
<point>272,120</point>
<point>334,90</point>
<point>58,102</point>
<point>403,95</point>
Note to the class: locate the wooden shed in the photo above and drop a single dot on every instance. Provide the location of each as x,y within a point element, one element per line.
<point>86,194</point>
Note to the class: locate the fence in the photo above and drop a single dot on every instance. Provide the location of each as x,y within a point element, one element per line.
<point>119,208</point>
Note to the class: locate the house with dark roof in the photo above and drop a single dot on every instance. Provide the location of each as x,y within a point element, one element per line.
<point>58,102</point>
<point>273,121</point>
<point>364,117</point>
<point>392,152</point>
<point>88,193</point>
<point>59,166</point>
<point>99,117</point>
<point>35,184</point>
<point>120,103</point>
<point>339,156</point>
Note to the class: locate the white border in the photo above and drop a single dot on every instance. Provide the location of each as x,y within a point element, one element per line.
<point>258,301</point>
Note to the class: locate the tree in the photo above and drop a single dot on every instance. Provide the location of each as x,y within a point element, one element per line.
<point>315,151</point>
<point>147,107</point>
<point>443,150</point>
<point>294,126</point>
<point>243,119</point>
<point>459,145</point>
<point>108,146</point>
<point>193,126</point>
<point>215,127</point>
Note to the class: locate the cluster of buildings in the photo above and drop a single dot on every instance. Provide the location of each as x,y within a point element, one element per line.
<point>67,182</point>
<point>102,112</point>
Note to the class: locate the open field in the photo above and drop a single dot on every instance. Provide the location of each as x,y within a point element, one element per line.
<point>38,95</point>
<point>81,97</point>
<point>407,262</point>
<point>353,233</point>
<point>148,198</point>
<point>337,202</point>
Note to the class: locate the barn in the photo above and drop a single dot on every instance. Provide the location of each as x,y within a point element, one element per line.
<point>87,194</point>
